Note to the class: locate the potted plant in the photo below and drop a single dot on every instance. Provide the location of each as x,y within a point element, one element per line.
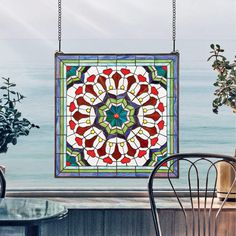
<point>12,126</point>
<point>225,95</point>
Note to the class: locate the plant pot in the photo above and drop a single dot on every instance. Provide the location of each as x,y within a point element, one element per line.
<point>226,176</point>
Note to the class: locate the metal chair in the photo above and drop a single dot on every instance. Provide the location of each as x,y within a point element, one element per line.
<point>200,217</point>
<point>2,184</point>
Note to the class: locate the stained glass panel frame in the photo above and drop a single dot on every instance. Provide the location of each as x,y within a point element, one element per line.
<point>71,71</point>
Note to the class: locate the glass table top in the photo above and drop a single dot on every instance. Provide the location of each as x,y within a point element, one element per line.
<point>30,210</point>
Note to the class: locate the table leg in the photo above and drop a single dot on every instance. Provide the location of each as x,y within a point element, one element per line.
<point>33,230</point>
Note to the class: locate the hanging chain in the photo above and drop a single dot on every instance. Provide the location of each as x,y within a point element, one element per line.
<point>59,25</point>
<point>174,23</point>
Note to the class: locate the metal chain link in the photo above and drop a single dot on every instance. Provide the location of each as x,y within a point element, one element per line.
<point>174,23</point>
<point>59,25</point>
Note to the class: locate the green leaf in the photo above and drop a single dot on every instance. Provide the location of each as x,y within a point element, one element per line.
<point>18,115</point>
<point>6,79</point>
<point>210,57</point>
<point>3,87</point>
<point>14,141</point>
<point>218,46</point>
<point>212,46</point>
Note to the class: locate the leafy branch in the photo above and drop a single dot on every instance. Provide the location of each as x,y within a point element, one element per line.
<point>226,79</point>
<point>11,126</point>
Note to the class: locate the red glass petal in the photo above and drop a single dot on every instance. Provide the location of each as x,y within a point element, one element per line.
<point>154,141</point>
<point>141,78</point>
<point>79,90</point>
<point>125,71</point>
<point>161,107</point>
<point>154,90</point>
<point>72,106</point>
<point>155,116</point>
<point>131,80</point>
<point>90,89</point>
<point>102,151</point>
<point>151,130</point>
<point>77,115</point>
<point>91,153</point>
<point>102,81</point>
<point>116,154</point>
<point>141,153</point>
<point>91,78</point>
<point>152,101</point>
<point>79,141</point>
<point>161,124</point>
<point>82,130</point>
<point>164,164</point>
<point>68,68</point>
<point>72,124</point>
<point>81,101</point>
<point>143,89</point>
<point>108,160</point>
<point>131,151</point>
<point>125,160</point>
<point>116,78</point>
<point>107,71</point>
<point>143,142</point>
<point>89,142</point>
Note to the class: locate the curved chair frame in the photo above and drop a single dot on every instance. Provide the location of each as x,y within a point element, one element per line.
<point>207,219</point>
<point>3,184</point>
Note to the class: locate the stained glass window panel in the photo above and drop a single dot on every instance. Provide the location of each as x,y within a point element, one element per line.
<point>116,115</point>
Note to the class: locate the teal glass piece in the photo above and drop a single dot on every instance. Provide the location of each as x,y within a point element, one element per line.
<point>116,116</point>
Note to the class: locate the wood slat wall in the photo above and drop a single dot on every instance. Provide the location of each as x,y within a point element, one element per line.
<point>133,222</point>
<point>123,222</point>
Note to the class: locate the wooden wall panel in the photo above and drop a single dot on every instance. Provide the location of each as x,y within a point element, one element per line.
<point>11,231</point>
<point>86,222</point>
<point>128,223</point>
<point>122,222</point>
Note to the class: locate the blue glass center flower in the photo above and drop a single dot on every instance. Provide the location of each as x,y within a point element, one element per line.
<point>116,116</point>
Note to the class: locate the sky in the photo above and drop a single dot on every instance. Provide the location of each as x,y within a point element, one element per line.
<point>117,19</point>
<point>28,28</point>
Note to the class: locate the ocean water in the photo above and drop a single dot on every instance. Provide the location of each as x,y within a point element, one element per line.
<point>30,164</point>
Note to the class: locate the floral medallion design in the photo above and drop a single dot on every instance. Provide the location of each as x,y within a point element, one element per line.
<point>116,118</point>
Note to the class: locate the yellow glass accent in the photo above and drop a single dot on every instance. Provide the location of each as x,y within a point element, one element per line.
<point>88,110</point>
<point>122,144</point>
<point>145,121</point>
<point>100,139</point>
<point>110,144</point>
<point>110,87</point>
<point>92,99</point>
<point>132,139</point>
<point>88,121</point>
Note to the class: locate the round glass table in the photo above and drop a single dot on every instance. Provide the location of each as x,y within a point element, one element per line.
<point>30,213</point>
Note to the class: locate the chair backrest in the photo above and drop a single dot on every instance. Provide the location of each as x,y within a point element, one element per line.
<point>201,180</point>
<point>2,184</point>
